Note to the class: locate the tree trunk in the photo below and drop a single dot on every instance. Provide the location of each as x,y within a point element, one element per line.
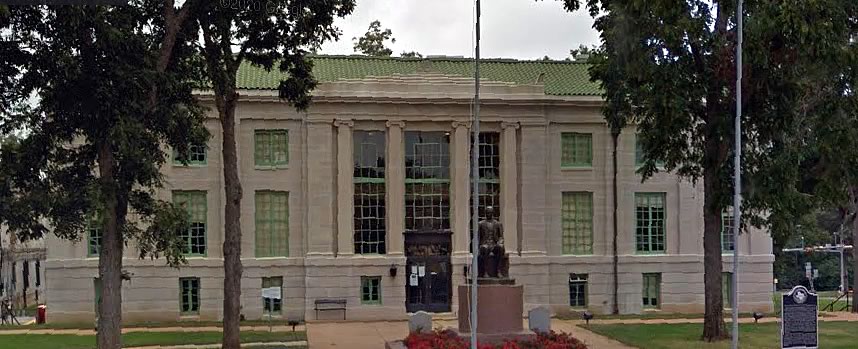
<point>110,256</point>
<point>714,328</point>
<point>615,135</point>
<point>854,258</point>
<point>232,224</point>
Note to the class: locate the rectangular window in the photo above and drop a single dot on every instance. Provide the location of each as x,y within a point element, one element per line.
<point>649,222</point>
<point>272,224</point>
<point>195,203</point>
<point>190,296</point>
<point>639,153</point>
<point>370,289</point>
<point>727,243</point>
<point>38,274</point>
<point>651,290</point>
<point>271,148</point>
<point>93,237</point>
<point>272,305</point>
<point>96,290</point>
<point>427,181</point>
<point>25,274</point>
<point>727,289</point>
<point>369,190</point>
<point>578,290</point>
<point>489,169</point>
<point>576,215</point>
<point>576,149</point>
<point>196,155</point>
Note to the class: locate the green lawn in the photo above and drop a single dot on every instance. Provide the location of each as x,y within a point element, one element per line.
<point>91,325</point>
<point>53,341</point>
<point>832,335</point>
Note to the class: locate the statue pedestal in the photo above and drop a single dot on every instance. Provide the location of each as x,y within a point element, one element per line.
<point>500,305</point>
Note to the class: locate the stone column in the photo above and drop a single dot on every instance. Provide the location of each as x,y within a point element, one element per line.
<point>460,188</point>
<point>534,145</point>
<point>509,185</point>
<point>320,189</point>
<point>395,179</point>
<point>345,188</point>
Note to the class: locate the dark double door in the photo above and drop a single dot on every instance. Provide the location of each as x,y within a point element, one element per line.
<point>428,272</point>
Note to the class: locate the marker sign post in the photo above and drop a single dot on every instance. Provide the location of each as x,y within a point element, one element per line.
<point>799,313</point>
<point>270,294</point>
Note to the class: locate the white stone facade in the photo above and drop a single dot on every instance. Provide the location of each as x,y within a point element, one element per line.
<point>322,262</point>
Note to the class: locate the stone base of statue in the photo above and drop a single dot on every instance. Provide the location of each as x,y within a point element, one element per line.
<point>500,305</point>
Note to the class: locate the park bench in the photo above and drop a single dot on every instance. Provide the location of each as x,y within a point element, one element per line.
<point>330,304</point>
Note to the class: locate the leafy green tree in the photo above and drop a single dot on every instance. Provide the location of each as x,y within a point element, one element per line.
<point>280,34</point>
<point>372,43</point>
<point>412,54</point>
<point>113,85</point>
<point>679,85</point>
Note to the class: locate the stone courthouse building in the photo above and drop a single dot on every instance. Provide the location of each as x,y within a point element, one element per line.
<point>365,198</point>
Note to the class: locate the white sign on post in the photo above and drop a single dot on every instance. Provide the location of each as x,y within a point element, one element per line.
<point>271,292</point>
<point>413,280</point>
<point>421,270</point>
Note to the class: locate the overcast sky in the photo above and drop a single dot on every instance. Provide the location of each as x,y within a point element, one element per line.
<point>523,29</point>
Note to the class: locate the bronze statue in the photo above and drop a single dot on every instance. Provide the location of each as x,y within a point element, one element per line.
<point>493,260</point>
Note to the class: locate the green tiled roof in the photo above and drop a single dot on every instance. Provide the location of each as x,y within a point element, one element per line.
<point>561,77</point>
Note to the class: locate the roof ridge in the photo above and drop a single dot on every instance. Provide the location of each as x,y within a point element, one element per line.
<point>446,59</point>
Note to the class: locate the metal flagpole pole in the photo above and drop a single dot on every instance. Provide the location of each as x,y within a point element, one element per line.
<point>737,177</point>
<point>475,234</point>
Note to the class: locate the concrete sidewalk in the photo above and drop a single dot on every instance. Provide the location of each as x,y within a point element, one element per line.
<point>373,335</point>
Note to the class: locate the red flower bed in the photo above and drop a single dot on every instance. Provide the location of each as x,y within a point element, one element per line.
<point>448,339</point>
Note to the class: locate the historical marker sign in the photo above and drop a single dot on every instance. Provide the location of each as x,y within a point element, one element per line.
<point>799,312</point>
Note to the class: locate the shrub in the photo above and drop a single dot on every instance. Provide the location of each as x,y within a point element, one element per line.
<point>448,339</point>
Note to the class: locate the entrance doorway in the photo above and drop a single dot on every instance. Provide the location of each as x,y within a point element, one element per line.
<point>428,272</point>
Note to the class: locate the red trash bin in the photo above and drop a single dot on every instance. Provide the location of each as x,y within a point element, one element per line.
<point>41,314</point>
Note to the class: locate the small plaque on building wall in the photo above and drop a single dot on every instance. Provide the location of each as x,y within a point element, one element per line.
<point>421,271</point>
<point>412,280</point>
<point>271,292</point>
<point>799,327</point>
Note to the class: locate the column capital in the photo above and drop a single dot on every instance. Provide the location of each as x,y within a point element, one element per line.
<point>457,124</point>
<point>395,123</point>
<point>509,124</point>
<point>344,122</point>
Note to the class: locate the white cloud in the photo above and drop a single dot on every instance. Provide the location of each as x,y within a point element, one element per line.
<point>524,29</point>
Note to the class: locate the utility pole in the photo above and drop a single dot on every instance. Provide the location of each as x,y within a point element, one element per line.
<point>475,234</point>
<point>737,176</point>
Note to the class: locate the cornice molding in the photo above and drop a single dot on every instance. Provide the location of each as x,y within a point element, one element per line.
<point>395,123</point>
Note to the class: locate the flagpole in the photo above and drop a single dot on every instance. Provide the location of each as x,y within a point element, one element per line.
<point>475,248</point>
<point>737,177</point>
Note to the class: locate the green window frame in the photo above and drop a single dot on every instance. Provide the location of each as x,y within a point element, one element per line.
<point>194,202</point>
<point>651,294</point>
<point>576,216</point>
<point>578,290</point>
<point>370,226</point>
<point>93,236</point>
<point>272,223</point>
<point>727,240</point>
<point>197,155</point>
<point>271,148</point>
<point>639,154</point>
<point>488,167</point>
<point>576,149</point>
<point>427,181</point>
<point>727,289</point>
<point>273,306</point>
<point>650,217</point>
<point>370,290</point>
<point>189,296</point>
<point>96,287</point>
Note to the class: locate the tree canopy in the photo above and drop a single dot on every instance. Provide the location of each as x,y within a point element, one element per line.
<point>373,42</point>
<point>669,70</point>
